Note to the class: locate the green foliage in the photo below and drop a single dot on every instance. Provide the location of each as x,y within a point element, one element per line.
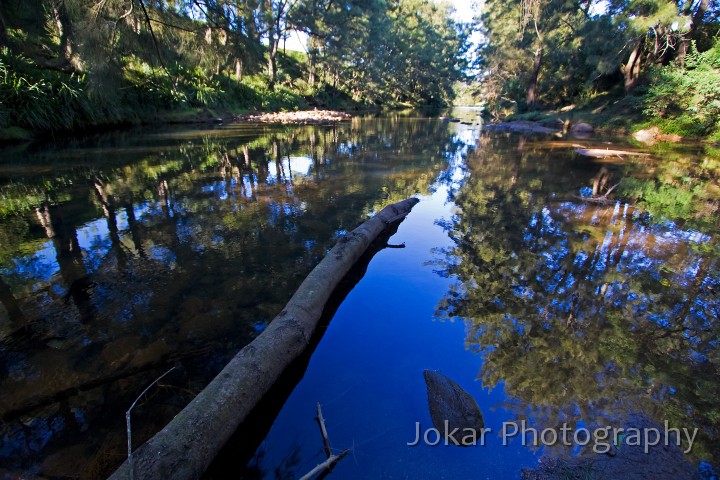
<point>662,201</point>
<point>580,55</point>
<point>193,55</point>
<point>569,293</point>
<point>686,101</point>
<point>176,85</point>
<point>48,102</point>
<point>281,98</point>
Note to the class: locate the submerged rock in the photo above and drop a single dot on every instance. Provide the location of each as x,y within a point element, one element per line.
<point>452,408</point>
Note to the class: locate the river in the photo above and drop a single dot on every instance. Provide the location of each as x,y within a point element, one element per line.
<point>124,255</point>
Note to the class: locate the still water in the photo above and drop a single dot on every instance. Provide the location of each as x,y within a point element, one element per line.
<point>124,255</point>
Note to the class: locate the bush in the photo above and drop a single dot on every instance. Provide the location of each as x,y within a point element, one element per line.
<point>175,85</point>
<point>39,102</point>
<point>686,101</point>
<point>280,99</point>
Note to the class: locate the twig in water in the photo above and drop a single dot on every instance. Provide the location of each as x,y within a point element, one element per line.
<point>332,459</point>
<point>127,421</point>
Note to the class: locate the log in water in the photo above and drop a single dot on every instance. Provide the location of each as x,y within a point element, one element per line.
<point>187,445</point>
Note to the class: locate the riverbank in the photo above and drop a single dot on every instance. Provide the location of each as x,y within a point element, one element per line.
<point>609,114</point>
<point>39,101</point>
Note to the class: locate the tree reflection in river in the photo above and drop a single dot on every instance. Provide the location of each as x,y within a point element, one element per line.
<point>589,311</point>
<point>119,258</point>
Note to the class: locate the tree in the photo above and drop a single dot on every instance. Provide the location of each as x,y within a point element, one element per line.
<point>522,40</point>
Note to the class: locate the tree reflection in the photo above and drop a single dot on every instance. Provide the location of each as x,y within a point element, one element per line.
<point>123,260</point>
<point>585,311</point>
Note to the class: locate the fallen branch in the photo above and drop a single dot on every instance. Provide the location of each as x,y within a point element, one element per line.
<point>326,465</point>
<point>601,153</point>
<point>186,446</point>
<point>128,423</point>
<point>332,459</point>
<point>323,431</point>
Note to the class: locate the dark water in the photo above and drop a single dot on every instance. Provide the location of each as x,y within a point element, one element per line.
<point>122,256</point>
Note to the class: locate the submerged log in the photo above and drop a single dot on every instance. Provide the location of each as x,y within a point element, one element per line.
<point>187,445</point>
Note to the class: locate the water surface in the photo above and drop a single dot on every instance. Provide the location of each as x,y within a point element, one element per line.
<point>124,255</point>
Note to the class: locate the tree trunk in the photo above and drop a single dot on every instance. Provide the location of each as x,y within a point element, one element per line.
<point>69,257</point>
<point>238,70</point>
<point>186,446</point>
<point>532,84</point>
<point>272,63</point>
<point>134,229</point>
<point>3,30</point>
<point>689,36</point>
<point>64,27</point>
<point>631,69</point>
<point>311,66</point>
<point>273,45</point>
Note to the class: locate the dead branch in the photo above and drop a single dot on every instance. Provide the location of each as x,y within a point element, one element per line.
<point>600,153</point>
<point>128,423</point>
<point>332,459</point>
<point>323,431</point>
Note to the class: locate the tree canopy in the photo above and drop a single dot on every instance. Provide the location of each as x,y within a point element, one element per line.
<point>549,53</point>
<point>101,61</point>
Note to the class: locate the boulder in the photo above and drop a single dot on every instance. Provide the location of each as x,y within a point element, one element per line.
<point>652,135</point>
<point>448,402</point>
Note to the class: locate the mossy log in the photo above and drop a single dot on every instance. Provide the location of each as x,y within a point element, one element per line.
<point>187,445</point>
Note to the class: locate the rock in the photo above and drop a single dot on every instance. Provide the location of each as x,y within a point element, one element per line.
<point>448,402</point>
<point>192,306</point>
<point>553,123</point>
<point>581,127</point>
<point>151,353</point>
<point>652,135</point>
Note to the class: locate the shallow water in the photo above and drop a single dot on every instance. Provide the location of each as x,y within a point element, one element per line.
<point>124,255</point>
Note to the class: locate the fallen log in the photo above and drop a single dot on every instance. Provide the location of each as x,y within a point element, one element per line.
<point>248,437</point>
<point>187,445</point>
<point>602,153</point>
